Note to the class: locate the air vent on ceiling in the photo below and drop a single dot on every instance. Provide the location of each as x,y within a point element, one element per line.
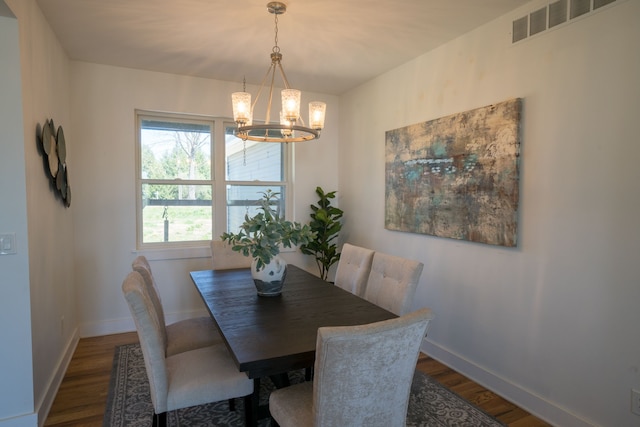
<point>599,3</point>
<point>538,21</point>
<point>557,13</point>
<point>579,7</point>
<point>552,15</point>
<point>520,28</point>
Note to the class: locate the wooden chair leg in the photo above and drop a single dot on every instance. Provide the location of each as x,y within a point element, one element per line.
<point>159,420</point>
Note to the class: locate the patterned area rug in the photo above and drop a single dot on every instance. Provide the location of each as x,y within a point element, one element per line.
<point>129,401</point>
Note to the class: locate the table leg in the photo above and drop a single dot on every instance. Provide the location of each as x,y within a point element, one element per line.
<point>280,380</point>
<point>258,412</point>
<point>252,414</point>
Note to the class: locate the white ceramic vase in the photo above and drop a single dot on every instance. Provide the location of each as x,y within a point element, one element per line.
<point>270,279</point>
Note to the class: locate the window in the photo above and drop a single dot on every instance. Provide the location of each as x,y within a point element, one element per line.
<point>195,179</point>
<point>250,169</point>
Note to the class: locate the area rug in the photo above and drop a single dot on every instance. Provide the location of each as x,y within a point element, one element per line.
<point>129,402</point>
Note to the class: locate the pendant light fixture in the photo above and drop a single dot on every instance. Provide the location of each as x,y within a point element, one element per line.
<point>290,127</point>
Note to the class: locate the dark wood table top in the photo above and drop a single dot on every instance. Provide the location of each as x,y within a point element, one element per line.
<point>272,335</point>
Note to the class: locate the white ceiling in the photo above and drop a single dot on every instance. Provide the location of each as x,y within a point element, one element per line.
<point>328,46</point>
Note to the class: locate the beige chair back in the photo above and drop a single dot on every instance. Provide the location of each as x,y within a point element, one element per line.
<point>363,376</point>
<point>141,265</point>
<point>152,340</point>
<point>392,282</point>
<point>354,268</point>
<point>224,258</point>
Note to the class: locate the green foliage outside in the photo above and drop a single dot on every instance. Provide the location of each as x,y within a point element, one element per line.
<point>186,223</point>
<point>176,165</point>
<point>187,159</point>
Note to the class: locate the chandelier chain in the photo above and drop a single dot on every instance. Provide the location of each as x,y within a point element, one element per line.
<point>276,48</point>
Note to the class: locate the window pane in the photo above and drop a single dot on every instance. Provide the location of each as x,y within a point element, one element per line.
<point>176,213</point>
<point>243,200</point>
<point>252,161</point>
<point>175,150</point>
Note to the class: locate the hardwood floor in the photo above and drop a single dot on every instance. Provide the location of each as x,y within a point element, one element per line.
<point>82,396</point>
<point>83,393</point>
<point>488,401</point>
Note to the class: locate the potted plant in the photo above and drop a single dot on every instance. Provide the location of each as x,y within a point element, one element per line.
<point>261,238</point>
<point>325,223</point>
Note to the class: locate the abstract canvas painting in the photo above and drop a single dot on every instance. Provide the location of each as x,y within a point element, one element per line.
<point>457,176</point>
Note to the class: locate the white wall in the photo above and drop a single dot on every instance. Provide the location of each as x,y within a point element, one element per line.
<point>44,73</point>
<point>16,386</point>
<point>103,104</point>
<point>552,323</point>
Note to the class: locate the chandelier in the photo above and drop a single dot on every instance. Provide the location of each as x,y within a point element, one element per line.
<point>290,127</point>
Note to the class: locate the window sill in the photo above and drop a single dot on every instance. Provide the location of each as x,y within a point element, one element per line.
<point>174,253</point>
<point>184,252</point>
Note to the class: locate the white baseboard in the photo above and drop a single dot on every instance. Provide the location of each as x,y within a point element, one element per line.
<point>529,401</point>
<point>27,420</point>
<point>107,327</point>
<point>44,406</point>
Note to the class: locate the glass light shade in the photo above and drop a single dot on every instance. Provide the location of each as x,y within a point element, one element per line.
<point>316,114</point>
<point>285,122</point>
<point>241,102</point>
<point>291,104</point>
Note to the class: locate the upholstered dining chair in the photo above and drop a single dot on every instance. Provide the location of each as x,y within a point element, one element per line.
<point>353,268</point>
<point>190,378</point>
<point>363,376</point>
<point>224,258</point>
<point>392,282</point>
<point>184,335</point>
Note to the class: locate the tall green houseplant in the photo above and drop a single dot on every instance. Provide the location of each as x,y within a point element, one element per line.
<point>325,223</point>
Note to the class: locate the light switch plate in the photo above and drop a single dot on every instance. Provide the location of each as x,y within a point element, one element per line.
<point>7,243</point>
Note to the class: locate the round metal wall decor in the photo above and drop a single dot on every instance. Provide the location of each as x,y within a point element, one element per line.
<point>53,147</point>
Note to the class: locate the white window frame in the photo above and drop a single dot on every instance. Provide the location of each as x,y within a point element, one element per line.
<point>218,179</point>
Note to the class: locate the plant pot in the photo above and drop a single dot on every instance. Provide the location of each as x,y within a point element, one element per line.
<point>270,279</point>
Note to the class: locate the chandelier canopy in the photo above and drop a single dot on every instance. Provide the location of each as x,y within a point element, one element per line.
<point>290,127</point>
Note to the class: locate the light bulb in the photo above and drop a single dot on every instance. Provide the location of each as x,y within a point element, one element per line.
<point>316,114</point>
<point>241,102</point>
<point>291,104</point>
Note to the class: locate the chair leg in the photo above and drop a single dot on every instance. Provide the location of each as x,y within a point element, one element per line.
<point>232,405</point>
<point>159,420</point>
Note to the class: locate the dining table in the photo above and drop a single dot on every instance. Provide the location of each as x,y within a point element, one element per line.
<point>270,336</point>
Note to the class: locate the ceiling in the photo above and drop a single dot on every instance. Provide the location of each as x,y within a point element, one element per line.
<point>328,46</point>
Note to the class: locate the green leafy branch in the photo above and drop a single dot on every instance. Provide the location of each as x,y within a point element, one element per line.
<point>262,235</point>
